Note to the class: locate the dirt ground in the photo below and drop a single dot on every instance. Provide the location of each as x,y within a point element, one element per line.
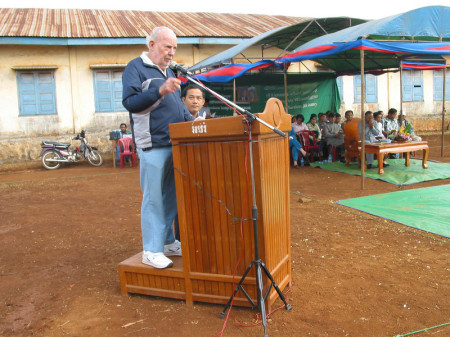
<point>64,232</point>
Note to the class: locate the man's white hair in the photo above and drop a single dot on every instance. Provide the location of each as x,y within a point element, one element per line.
<point>155,34</point>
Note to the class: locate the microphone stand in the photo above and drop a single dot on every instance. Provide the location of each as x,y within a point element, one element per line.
<point>257,262</point>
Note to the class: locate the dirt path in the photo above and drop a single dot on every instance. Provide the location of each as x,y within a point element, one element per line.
<point>63,234</point>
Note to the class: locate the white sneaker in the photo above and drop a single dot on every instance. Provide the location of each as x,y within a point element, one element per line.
<point>156,260</point>
<point>173,249</point>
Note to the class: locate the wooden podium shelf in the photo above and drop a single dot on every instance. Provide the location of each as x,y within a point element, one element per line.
<point>213,183</point>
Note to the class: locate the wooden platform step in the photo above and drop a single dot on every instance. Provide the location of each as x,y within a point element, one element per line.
<point>177,283</point>
<point>139,278</point>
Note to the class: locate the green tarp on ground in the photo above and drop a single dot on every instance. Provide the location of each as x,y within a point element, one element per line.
<point>397,173</point>
<point>427,209</point>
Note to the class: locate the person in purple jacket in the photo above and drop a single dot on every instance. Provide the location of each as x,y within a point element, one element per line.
<point>151,94</point>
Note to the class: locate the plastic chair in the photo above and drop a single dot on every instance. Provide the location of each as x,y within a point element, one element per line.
<point>309,145</point>
<point>126,146</point>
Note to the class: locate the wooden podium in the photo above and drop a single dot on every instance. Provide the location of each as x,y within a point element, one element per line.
<point>213,183</point>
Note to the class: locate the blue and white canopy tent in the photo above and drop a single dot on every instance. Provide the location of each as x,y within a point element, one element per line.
<point>380,45</point>
<point>285,39</point>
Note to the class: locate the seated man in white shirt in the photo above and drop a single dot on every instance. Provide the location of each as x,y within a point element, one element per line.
<point>390,124</point>
<point>371,134</point>
<point>378,126</point>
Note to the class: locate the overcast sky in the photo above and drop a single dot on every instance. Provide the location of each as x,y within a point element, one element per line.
<point>322,8</point>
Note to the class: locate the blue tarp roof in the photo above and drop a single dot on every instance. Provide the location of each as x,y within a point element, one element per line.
<point>427,24</point>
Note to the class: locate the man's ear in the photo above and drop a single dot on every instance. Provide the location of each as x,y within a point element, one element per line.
<point>183,99</point>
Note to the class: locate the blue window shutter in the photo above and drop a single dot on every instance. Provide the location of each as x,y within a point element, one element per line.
<point>417,85</point>
<point>36,93</point>
<point>27,94</point>
<point>438,83</point>
<point>103,92</point>
<point>371,88</point>
<point>357,88</point>
<point>407,85</point>
<point>108,90</point>
<point>412,89</point>
<point>117,87</point>
<point>46,90</point>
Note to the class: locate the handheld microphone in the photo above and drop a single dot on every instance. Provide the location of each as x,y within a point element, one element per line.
<point>175,66</point>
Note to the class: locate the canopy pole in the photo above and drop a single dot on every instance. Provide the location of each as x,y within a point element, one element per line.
<point>285,87</point>
<point>363,120</point>
<point>443,111</point>
<point>401,89</point>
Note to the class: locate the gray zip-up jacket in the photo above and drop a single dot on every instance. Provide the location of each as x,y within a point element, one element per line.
<point>150,114</point>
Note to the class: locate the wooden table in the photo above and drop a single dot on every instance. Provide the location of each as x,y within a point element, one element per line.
<point>395,147</point>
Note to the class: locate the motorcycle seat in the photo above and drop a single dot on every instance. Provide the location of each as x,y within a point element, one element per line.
<point>55,144</point>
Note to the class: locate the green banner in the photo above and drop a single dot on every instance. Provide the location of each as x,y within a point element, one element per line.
<point>307,93</point>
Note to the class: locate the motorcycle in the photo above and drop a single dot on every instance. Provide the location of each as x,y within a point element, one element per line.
<point>55,153</point>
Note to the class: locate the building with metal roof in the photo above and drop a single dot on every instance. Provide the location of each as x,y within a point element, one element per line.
<point>61,69</point>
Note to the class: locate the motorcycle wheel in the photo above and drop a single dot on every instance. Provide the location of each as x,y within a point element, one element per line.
<point>95,158</point>
<point>50,165</point>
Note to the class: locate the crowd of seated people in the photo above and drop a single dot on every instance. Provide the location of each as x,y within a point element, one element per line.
<point>329,132</point>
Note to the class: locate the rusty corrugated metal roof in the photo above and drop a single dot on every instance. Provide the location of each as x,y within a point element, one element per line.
<point>87,23</point>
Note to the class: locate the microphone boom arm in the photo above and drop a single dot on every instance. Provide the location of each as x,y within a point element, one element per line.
<point>237,107</point>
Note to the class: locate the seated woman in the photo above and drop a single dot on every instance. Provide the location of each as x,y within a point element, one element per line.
<point>403,122</point>
<point>299,125</point>
<point>314,127</point>
<point>333,135</point>
<point>296,147</point>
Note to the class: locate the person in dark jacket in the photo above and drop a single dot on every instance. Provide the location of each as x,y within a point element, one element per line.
<point>151,94</point>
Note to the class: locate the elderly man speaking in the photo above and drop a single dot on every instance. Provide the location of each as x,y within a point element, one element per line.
<point>151,94</point>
